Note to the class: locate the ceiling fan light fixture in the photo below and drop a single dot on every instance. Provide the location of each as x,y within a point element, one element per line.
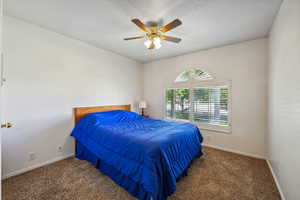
<point>154,33</point>
<point>157,43</point>
<point>147,43</point>
<point>154,43</point>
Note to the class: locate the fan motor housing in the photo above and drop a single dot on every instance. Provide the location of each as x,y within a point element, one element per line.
<point>153,31</point>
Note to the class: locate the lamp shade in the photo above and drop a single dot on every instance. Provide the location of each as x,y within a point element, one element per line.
<point>142,104</point>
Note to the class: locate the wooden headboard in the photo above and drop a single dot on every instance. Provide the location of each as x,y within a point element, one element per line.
<point>82,111</point>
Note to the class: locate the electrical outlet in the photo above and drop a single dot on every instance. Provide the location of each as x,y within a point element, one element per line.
<point>59,149</point>
<point>32,156</point>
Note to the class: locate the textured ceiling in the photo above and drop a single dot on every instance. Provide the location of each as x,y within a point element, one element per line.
<point>104,23</point>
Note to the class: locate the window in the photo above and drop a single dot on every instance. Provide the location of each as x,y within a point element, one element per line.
<point>210,105</point>
<point>204,103</point>
<point>178,103</point>
<point>193,74</point>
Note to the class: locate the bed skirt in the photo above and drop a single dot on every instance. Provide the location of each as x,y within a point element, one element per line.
<point>124,181</point>
<point>117,176</point>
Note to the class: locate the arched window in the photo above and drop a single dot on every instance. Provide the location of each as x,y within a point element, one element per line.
<point>199,98</point>
<point>193,74</point>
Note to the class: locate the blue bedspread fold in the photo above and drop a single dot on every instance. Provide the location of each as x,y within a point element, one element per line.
<point>151,153</point>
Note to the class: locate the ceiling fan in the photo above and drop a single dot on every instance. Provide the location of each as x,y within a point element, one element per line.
<point>154,33</point>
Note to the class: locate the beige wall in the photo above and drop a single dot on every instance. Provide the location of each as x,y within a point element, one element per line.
<point>284,99</point>
<point>245,65</point>
<point>48,74</point>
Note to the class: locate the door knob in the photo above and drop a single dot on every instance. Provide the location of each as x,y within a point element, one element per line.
<point>6,125</point>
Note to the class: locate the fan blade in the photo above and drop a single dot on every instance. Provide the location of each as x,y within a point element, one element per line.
<point>140,24</point>
<point>133,38</point>
<point>171,25</point>
<point>171,39</point>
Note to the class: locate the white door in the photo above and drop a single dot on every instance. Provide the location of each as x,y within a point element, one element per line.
<point>2,119</point>
<point>1,80</point>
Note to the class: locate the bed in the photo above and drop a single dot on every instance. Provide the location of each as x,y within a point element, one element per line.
<point>143,155</point>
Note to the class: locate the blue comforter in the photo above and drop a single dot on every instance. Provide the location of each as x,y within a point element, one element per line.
<point>152,153</point>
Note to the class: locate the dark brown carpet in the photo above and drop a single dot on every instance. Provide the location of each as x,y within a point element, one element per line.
<point>218,175</point>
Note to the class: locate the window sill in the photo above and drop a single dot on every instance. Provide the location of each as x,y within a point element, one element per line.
<point>213,128</point>
<point>220,130</point>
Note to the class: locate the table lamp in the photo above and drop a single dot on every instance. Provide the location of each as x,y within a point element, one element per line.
<point>142,105</point>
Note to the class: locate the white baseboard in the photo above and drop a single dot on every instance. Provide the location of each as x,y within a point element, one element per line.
<point>21,171</point>
<point>235,151</point>
<point>254,156</point>
<point>276,180</point>
<point>206,145</point>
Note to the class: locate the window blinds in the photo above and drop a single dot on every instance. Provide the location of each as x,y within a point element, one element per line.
<point>210,105</point>
<point>207,105</point>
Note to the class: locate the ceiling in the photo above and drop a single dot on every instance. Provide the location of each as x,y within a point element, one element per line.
<point>104,23</point>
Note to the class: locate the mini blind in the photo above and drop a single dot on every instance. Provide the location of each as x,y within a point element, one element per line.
<point>208,105</point>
